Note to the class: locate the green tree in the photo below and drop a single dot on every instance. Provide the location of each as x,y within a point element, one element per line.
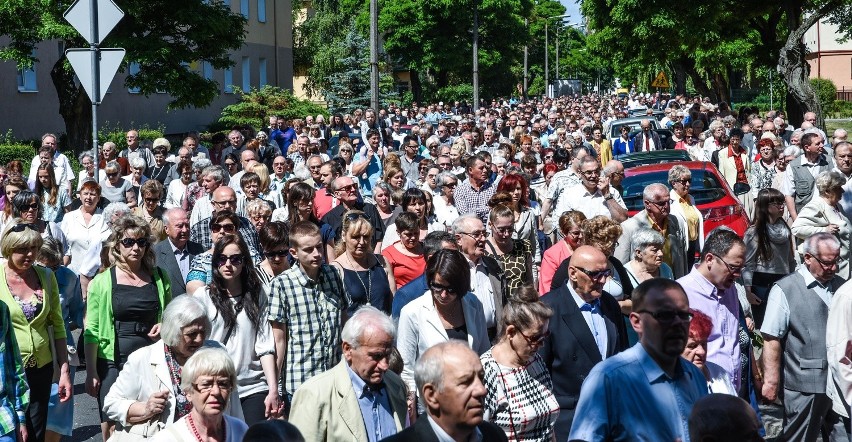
<point>349,86</point>
<point>257,104</point>
<point>163,36</point>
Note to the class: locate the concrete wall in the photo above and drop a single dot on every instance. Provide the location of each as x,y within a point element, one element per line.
<point>828,58</point>
<point>31,113</point>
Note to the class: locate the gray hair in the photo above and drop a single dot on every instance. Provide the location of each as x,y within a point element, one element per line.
<point>200,164</point>
<point>51,251</point>
<point>258,205</point>
<point>114,208</point>
<point>112,165</point>
<point>792,151</point>
<point>433,139</point>
<point>169,212</point>
<point>385,187</point>
<point>429,369</point>
<point>498,160</point>
<point>207,361</point>
<point>716,124</point>
<point>84,154</point>
<point>442,179</point>
<point>138,163</point>
<point>811,244</point>
<point>366,318</point>
<point>462,221</point>
<point>217,173</point>
<point>829,180</point>
<point>588,159</point>
<point>182,311</point>
<point>678,171</point>
<point>645,237</point>
<point>651,190</point>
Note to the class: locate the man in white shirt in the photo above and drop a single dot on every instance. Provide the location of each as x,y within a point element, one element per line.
<point>593,196</point>
<point>61,165</point>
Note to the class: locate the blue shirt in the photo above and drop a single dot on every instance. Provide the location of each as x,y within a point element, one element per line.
<point>407,293</point>
<point>594,319</point>
<point>375,408</point>
<point>628,397</point>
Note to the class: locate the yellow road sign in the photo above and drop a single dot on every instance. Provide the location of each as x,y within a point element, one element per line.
<point>661,81</point>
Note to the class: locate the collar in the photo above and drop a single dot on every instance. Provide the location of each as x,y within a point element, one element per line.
<point>653,372</point>
<point>177,250</point>
<point>581,303</point>
<point>703,286</point>
<point>657,227</point>
<point>731,152</point>
<point>848,177</point>
<point>303,278</point>
<point>810,281</point>
<point>475,436</point>
<point>361,387</point>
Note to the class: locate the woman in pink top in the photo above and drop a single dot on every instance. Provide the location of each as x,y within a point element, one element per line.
<point>570,224</point>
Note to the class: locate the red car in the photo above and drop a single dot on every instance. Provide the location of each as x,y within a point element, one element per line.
<point>713,197</point>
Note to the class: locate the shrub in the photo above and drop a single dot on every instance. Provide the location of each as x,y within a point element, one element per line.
<point>117,133</point>
<point>17,151</point>
<point>460,92</point>
<point>825,90</point>
<point>256,105</point>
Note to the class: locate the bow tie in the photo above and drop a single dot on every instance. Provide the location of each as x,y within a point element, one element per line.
<point>594,306</point>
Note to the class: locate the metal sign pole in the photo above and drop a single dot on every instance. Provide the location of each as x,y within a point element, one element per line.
<point>93,13</point>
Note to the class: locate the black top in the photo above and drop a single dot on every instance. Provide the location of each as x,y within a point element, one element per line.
<point>334,218</point>
<point>367,287</point>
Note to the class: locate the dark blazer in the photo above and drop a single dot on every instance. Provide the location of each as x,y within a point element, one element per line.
<point>639,141</point>
<point>570,351</point>
<point>421,431</point>
<point>166,260</point>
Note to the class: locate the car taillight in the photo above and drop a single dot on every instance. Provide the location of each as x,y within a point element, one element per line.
<point>717,213</point>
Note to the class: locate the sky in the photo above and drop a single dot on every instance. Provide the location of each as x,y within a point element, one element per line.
<point>572,7</point>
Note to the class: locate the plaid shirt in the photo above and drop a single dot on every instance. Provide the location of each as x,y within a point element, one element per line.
<point>470,200</point>
<point>200,233</point>
<point>193,193</point>
<point>312,312</point>
<point>14,392</point>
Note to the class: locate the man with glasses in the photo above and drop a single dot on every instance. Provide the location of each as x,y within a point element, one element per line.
<point>223,199</point>
<point>657,215</point>
<point>175,253</point>
<point>593,196</point>
<point>710,289</point>
<point>592,329</point>
<point>409,160</point>
<point>487,280</point>
<point>646,392</point>
<point>800,179</point>
<point>794,353</point>
<point>346,192</point>
<point>135,150</point>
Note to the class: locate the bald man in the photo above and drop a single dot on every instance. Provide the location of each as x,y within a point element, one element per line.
<point>590,330</point>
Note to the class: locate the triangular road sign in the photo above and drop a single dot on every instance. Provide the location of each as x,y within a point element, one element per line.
<point>81,61</point>
<point>79,15</point>
<point>661,81</point>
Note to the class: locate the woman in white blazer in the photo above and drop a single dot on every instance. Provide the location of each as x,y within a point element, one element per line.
<point>684,209</point>
<point>147,394</point>
<point>446,311</point>
<point>823,214</point>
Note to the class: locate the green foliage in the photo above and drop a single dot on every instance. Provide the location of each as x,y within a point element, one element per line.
<point>17,151</point>
<point>257,104</point>
<point>349,86</point>
<point>840,109</point>
<point>459,92</point>
<point>117,134</point>
<point>826,91</point>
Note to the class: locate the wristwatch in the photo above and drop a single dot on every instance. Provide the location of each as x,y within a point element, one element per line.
<point>608,197</point>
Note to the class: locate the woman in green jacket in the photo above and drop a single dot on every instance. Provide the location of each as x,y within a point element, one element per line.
<point>32,295</point>
<point>125,305</point>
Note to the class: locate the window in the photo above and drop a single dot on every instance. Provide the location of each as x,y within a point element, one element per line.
<point>246,74</point>
<point>27,79</point>
<point>207,70</point>
<point>261,69</point>
<point>229,81</point>
<point>132,70</point>
<point>261,11</point>
<point>244,8</point>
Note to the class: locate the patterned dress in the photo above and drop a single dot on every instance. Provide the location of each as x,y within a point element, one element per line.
<point>520,400</point>
<point>514,263</point>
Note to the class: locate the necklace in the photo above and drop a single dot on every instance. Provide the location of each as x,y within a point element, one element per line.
<point>368,286</point>
<point>197,434</point>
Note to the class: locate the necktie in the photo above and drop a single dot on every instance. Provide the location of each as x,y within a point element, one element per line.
<point>183,262</point>
<point>647,142</point>
<point>594,308</point>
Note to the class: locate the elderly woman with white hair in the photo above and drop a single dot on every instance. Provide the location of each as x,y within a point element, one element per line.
<point>824,214</point>
<point>208,379</point>
<point>114,187</point>
<point>147,395</point>
<point>444,202</point>
<point>137,172</point>
<point>646,260</point>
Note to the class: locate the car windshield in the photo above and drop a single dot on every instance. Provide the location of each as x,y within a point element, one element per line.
<point>705,187</point>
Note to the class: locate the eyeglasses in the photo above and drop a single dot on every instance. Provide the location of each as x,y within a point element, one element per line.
<point>777,203</point>
<point>595,275</point>
<point>535,339</point>
<point>348,188</point>
<point>152,200</point>
<point>112,175</point>
<point>236,260</point>
<point>668,316</point>
<point>32,206</point>
<point>277,254</point>
<point>590,173</point>
<point>228,228</point>
<point>207,386</point>
<point>825,265</point>
<point>476,235</point>
<point>353,216</point>
<point>732,269</point>
<point>224,203</point>
<point>683,182</point>
<point>278,164</point>
<point>548,157</point>
<point>504,230</point>
<point>660,203</point>
<point>227,164</point>
<point>128,242</point>
<point>438,288</point>
<point>18,228</point>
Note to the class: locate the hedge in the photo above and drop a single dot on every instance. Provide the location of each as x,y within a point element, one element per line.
<point>17,151</point>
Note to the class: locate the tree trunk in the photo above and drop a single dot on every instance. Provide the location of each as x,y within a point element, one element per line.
<point>679,79</point>
<point>697,80</point>
<point>721,87</point>
<point>416,86</point>
<point>74,107</point>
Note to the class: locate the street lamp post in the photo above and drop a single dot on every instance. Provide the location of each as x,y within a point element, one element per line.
<point>475,55</point>
<point>546,45</point>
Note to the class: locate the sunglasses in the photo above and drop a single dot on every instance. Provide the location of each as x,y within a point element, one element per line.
<point>668,316</point>
<point>18,228</point>
<point>32,206</point>
<point>152,200</point>
<point>595,275</point>
<point>438,288</point>
<point>128,242</point>
<point>354,216</point>
<point>236,260</point>
<point>112,175</point>
<point>277,254</point>
<point>228,228</point>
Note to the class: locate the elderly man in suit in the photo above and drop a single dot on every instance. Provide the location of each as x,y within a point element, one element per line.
<point>175,253</point>
<point>449,381</point>
<point>657,215</point>
<point>586,328</point>
<point>647,140</point>
<point>357,400</point>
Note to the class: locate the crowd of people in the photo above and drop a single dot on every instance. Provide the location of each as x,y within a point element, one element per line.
<point>434,272</point>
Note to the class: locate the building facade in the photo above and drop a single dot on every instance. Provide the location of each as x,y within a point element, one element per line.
<point>827,57</point>
<point>31,108</point>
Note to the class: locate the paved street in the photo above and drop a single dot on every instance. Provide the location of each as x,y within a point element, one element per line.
<point>87,425</point>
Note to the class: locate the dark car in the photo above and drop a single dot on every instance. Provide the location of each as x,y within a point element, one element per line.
<point>655,157</point>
